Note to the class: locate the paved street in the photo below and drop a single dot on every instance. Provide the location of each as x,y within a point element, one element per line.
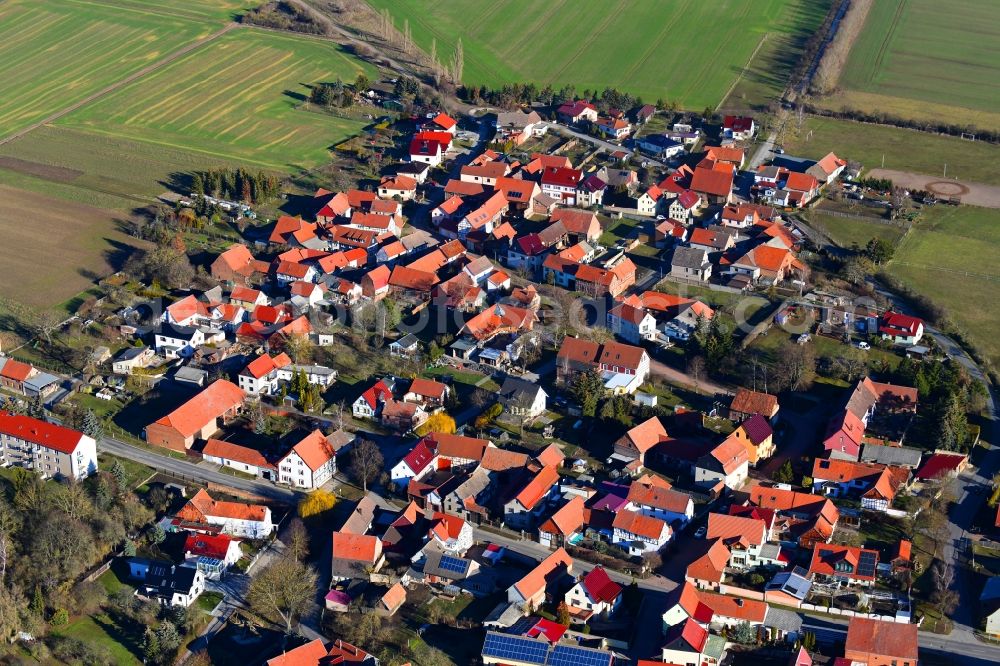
<point>186,469</point>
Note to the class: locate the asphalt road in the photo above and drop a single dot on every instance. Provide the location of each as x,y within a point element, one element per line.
<point>186,469</point>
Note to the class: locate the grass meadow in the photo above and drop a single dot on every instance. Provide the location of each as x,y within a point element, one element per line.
<point>951,255</point>
<point>915,53</point>
<point>59,52</point>
<point>235,99</point>
<point>904,150</point>
<point>689,51</point>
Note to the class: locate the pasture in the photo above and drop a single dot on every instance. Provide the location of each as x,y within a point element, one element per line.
<point>904,150</point>
<point>53,248</point>
<point>236,99</point>
<point>56,53</point>
<point>688,51</point>
<point>912,53</point>
<point>952,256</point>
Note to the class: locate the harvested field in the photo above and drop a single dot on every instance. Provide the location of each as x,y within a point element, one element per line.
<point>53,249</point>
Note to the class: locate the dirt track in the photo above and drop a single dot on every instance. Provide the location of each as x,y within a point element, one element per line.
<point>975,194</point>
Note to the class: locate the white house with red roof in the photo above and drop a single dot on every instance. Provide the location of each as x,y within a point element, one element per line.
<point>901,329</point>
<point>45,448</point>
<point>560,183</point>
<point>415,465</point>
<point>260,377</point>
<point>239,519</point>
<point>310,463</point>
<point>238,457</point>
<point>577,111</point>
<point>594,594</point>
<point>637,533</point>
<point>684,206</point>
<point>451,533</point>
<point>211,553</point>
<point>738,128</point>
<point>442,122</point>
<point>367,405</point>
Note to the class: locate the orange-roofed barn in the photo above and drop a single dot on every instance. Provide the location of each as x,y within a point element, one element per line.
<point>197,419</point>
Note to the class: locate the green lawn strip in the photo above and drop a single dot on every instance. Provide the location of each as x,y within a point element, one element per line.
<point>101,629</point>
<point>847,232</point>
<point>903,149</point>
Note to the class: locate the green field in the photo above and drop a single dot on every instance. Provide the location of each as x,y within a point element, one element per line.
<point>234,98</point>
<point>846,231</point>
<point>952,256</point>
<point>57,53</point>
<point>903,150</point>
<point>914,52</point>
<point>689,51</point>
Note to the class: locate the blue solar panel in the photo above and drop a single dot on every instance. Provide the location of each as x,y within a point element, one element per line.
<point>449,563</point>
<point>568,655</point>
<point>516,648</point>
<point>867,564</point>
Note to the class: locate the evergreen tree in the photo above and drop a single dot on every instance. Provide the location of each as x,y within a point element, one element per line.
<point>121,478</point>
<point>38,603</point>
<point>92,426</point>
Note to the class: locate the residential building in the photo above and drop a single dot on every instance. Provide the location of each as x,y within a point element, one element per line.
<point>848,565</point>
<point>757,436</point>
<point>565,526</point>
<point>170,585</point>
<point>238,519</point>
<point>880,643</point>
<point>211,554</point>
<point>173,341</point>
<point>654,497</point>
<point>690,644</point>
<point>241,458</point>
<point>355,556</point>
<point>524,509</point>
<point>529,592</point>
<point>632,322</point>
<point>725,466</point>
<point>132,358</point>
<point>738,128</point>
<point>747,541</point>
<point>594,594</point>
<point>310,463</point>
<point>45,448</point>
<point>522,398</point>
<point>577,111</point>
<point>989,603</point>
<point>746,403</point>
<point>876,485</point>
<point>561,183</point>
<point>815,516</point>
<point>691,263</point>
<point>637,533</point>
<point>901,329</point>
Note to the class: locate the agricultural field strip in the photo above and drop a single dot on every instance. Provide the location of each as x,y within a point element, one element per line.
<point>229,99</point>
<point>552,45</point>
<point>54,56</point>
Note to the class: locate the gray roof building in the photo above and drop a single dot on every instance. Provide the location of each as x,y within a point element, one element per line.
<point>899,456</point>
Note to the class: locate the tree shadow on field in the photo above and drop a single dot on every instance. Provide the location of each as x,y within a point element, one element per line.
<point>296,96</point>
<point>179,181</point>
<point>118,252</point>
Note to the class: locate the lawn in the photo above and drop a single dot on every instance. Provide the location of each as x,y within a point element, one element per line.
<point>902,149</point>
<point>123,644</point>
<point>952,256</point>
<point>235,98</point>
<point>57,53</point>
<point>846,231</point>
<point>54,248</point>
<point>917,52</point>
<point>688,51</point>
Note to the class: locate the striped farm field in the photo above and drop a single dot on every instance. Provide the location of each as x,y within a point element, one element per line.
<point>915,53</point>
<point>688,51</point>
<point>234,98</point>
<point>58,52</point>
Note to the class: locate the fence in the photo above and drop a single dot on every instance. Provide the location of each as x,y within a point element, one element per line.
<point>698,283</point>
<point>849,613</point>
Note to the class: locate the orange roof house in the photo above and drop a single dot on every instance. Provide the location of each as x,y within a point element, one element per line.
<point>818,516</point>
<point>354,555</point>
<point>713,181</point>
<point>879,643</point>
<point>564,523</point>
<point>236,265</point>
<point>228,451</point>
<point>499,320</point>
<point>708,568</point>
<point>198,418</point>
<point>529,592</point>
<point>310,654</point>
<point>234,518</point>
<point>641,439</point>
<point>746,403</point>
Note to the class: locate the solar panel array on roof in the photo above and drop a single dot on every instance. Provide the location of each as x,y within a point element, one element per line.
<point>515,648</point>
<point>568,655</point>
<point>449,563</point>
<point>867,563</point>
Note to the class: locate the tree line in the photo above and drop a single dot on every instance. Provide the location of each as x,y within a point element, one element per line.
<point>236,184</point>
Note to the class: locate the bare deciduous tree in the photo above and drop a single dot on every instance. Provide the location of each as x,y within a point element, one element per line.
<point>366,462</point>
<point>283,592</point>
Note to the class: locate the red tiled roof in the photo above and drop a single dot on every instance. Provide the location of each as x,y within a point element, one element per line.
<point>537,487</point>
<point>884,641</point>
<point>711,564</point>
<point>754,402</point>
<point>750,531</point>
<point>599,585</point>
<point>419,457</point>
<point>215,546</point>
<point>536,579</point>
<point>39,432</point>
<point>647,434</point>
<point>444,120</point>
<point>567,520</point>
<point>220,397</point>
<point>355,547</point>
<point>457,446</point>
<point>712,181</point>
<point>310,654</point>
<point>201,505</point>
<point>640,525</point>
<point>561,176</point>
<point>315,450</point>
<point>230,451</point>
<point>938,464</point>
